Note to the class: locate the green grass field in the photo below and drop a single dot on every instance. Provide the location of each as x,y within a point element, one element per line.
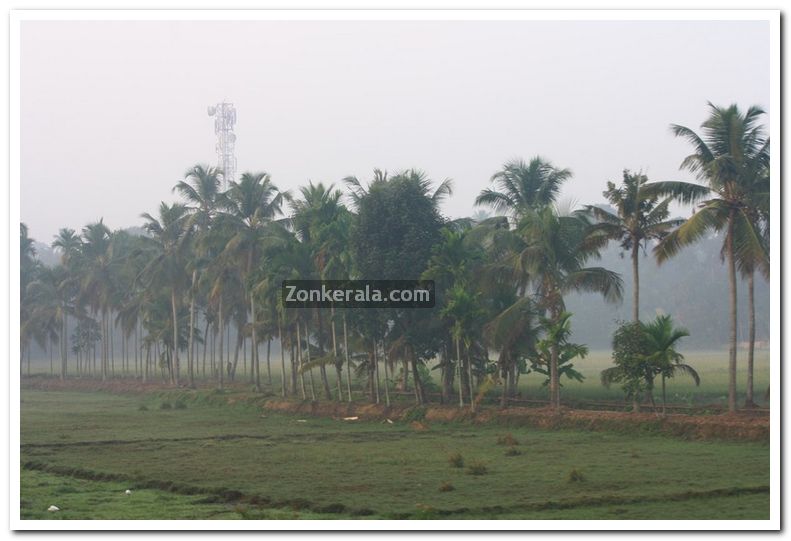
<point>82,450</point>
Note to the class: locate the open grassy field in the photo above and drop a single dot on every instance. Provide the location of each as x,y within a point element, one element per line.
<point>200,459</point>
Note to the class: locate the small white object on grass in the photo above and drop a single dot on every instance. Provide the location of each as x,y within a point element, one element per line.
<point>350,418</point>
<point>301,421</point>
<point>389,421</point>
<point>53,508</point>
<point>128,492</point>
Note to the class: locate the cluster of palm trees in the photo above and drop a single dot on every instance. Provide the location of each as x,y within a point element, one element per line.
<point>202,283</point>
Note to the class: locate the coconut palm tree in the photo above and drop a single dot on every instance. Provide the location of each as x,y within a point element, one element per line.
<point>201,190</point>
<point>167,269</point>
<point>728,156</point>
<point>556,250</point>
<point>96,267</point>
<point>639,218</point>
<point>315,212</point>
<point>67,242</point>
<point>251,207</point>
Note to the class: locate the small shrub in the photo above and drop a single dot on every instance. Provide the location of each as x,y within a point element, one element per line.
<point>446,487</point>
<point>165,405</point>
<point>477,468</point>
<point>142,407</point>
<point>179,405</point>
<point>507,439</point>
<point>575,476</point>
<point>456,460</point>
<point>512,451</point>
<point>418,413</point>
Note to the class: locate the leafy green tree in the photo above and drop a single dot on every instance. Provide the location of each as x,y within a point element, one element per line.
<point>662,338</point>
<point>556,334</point>
<point>397,225</point>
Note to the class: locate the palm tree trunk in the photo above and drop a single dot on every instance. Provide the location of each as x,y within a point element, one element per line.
<point>64,344</point>
<point>205,344</point>
<point>338,375</point>
<point>175,337</point>
<point>636,280</point>
<point>469,381</point>
<point>419,394</point>
<point>220,365</point>
<point>268,363</point>
<point>554,376</point>
<point>190,356</point>
<point>348,358</point>
<point>458,368</point>
<point>322,368</point>
<point>732,290</point>
<point>749,402</point>
<point>310,370</point>
<point>376,373</point>
<point>299,360</point>
<point>664,396</point>
<point>254,345</point>
<point>387,377</point>
<point>282,358</point>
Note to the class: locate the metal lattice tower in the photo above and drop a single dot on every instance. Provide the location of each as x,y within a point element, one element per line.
<point>224,119</point>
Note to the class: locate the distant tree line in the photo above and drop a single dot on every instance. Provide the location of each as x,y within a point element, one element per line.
<point>202,284</point>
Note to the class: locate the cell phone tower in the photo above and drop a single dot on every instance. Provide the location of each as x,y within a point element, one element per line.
<point>224,119</point>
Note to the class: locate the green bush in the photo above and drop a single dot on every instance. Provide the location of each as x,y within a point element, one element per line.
<point>456,460</point>
<point>165,405</point>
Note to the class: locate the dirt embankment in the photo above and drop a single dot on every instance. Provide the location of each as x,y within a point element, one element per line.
<point>740,427</point>
<point>692,427</point>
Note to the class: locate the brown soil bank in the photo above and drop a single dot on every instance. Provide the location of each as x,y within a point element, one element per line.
<point>698,427</point>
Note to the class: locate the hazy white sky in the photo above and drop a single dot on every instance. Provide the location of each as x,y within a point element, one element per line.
<point>113,113</point>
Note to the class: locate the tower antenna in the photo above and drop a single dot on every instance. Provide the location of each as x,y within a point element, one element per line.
<point>224,114</point>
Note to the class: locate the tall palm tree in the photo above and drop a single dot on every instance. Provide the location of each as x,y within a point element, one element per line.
<point>315,213</point>
<point>96,267</point>
<point>169,235</point>
<point>201,190</point>
<point>251,207</point>
<point>556,250</point>
<point>727,157</point>
<point>639,218</point>
<point>67,242</point>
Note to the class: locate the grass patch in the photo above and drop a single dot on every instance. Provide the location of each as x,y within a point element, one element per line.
<point>477,468</point>
<point>217,455</point>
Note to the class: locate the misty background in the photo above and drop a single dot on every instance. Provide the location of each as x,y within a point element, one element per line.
<point>114,112</point>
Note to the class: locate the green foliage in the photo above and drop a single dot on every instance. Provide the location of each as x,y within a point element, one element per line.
<point>456,460</point>
<point>416,413</point>
<point>644,351</point>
